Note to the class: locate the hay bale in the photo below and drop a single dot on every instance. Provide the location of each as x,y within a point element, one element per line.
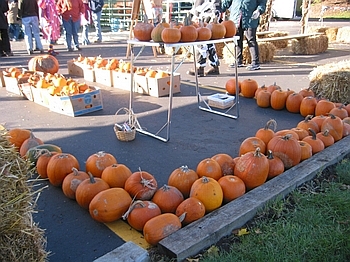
<point>20,238</point>
<point>219,49</point>
<point>332,81</point>
<point>343,35</point>
<point>266,53</point>
<point>280,44</point>
<point>330,32</point>
<point>310,45</point>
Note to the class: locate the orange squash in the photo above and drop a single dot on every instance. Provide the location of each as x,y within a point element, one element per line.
<point>59,166</point>
<point>72,181</point>
<point>141,185</point>
<point>249,87</point>
<point>232,187</point>
<point>230,27</point>
<point>182,178</point>
<point>209,168</point>
<point>97,162</point>
<point>267,132</point>
<point>17,136</point>
<point>276,166</point>
<point>116,175</point>
<point>226,163</point>
<point>193,209</point>
<point>251,144</point>
<point>167,198</point>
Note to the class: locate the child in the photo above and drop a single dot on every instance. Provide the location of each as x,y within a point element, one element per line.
<point>157,11</point>
<point>14,27</point>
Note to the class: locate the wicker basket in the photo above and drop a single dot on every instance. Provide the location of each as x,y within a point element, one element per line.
<point>127,131</point>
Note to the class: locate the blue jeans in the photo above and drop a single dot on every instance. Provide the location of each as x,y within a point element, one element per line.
<point>96,17</point>
<point>250,35</point>
<point>14,31</point>
<point>71,28</point>
<point>31,28</point>
<point>85,34</point>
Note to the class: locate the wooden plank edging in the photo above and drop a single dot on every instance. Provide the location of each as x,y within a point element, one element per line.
<point>205,232</point>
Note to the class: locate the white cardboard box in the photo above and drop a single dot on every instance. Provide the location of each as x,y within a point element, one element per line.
<point>222,101</point>
<point>79,69</point>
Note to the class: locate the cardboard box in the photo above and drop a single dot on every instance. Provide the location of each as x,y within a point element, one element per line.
<point>26,91</point>
<point>161,86</point>
<point>2,81</point>
<point>222,101</point>
<point>78,104</point>
<point>79,69</point>
<point>121,80</point>
<point>104,77</point>
<point>12,84</point>
<point>40,96</point>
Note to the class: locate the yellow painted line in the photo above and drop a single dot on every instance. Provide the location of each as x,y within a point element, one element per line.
<point>127,233</point>
<point>214,88</point>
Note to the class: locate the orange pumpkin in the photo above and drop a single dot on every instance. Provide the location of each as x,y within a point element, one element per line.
<point>193,209</point>
<point>141,185</point>
<point>182,178</point>
<point>230,86</point>
<point>143,30</point>
<point>249,87</point>
<point>218,30</point>
<point>188,32</point>
<point>308,105</point>
<point>160,227</point>
<point>116,174</point>
<point>171,35</point>
<point>306,150</point>
<point>276,166</point>
<point>306,92</point>
<point>209,192</point>
<point>307,123</point>
<point>167,198</point>
<point>226,163</point>
<point>334,125</point>
<point>278,99</point>
<point>287,148</point>
<point>44,63</point>
<point>97,162</point>
<point>17,136</point>
<point>104,207</point>
<point>263,98</point>
<point>42,162</point>
<point>326,138</point>
<point>252,168</point>
<point>210,168</point>
<point>251,144</point>
<point>284,132</point>
<point>59,166</point>
<point>293,103</point>
<point>323,107</point>
<point>156,33</point>
<point>230,27</point>
<point>204,33</point>
<point>316,143</point>
<point>232,187</point>
<point>318,120</point>
<point>72,181</point>
<point>339,111</point>
<point>273,87</point>
<point>29,143</point>
<point>140,212</point>
<point>301,132</point>
<point>267,132</point>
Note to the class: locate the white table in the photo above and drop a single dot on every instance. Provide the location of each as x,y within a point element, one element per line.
<point>175,47</point>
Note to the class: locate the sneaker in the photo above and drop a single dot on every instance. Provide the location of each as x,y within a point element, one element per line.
<point>42,52</point>
<point>70,50</point>
<point>200,72</point>
<point>9,54</point>
<point>253,67</point>
<point>97,41</point>
<point>30,52</point>
<point>238,65</point>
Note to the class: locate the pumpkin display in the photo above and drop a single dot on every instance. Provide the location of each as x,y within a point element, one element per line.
<point>109,205</point>
<point>307,123</point>
<point>316,143</point>
<point>167,198</point>
<point>17,136</point>
<point>326,138</point>
<point>44,63</point>
<point>263,98</point>
<point>193,209</point>
<point>88,189</point>
<point>334,125</point>
<point>230,86</point>
<point>209,168</point>
<point>188,32</point>
<point>139,212</point>
<point>97,162</point>
<point>252,168</point>
<point>306,150</point>
<point>308,105</point>
<point>209,192</point>
<point>293,103</point>
<point>318,120</point>
<point>143,30</point>
<point>182,178</point>
<point>232,187</point>
<point>276,166</point>
<point>59,166</point>
<point>339,111</point>
<point>29,143</point>
<point>286,148</point>
<point>251,144</point>
<point>230,27</point>
<point>171,35</point>
<point>278,99</point>
<point>204,33</point>
<point>116,175</point>
<point>226,163</point>
<point>218,30</point>
<point>141,185</point>
<point>160,227</point>
<point>267,132</point>
<point>156,34</point>
<point>43,161</point>
<point>323,107</point>
<point>72,181</point>
<point>249,87</point>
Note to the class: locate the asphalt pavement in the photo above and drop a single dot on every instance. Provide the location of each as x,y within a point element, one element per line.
<point>72,235</point>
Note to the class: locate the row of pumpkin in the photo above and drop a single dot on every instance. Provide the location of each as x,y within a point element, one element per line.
<point>110,190</point>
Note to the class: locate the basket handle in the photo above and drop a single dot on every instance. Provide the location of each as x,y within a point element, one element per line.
<point>132,121</point>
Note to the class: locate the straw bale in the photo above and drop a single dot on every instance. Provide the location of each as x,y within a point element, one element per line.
<point>343,35</point>
<point>332,81</point>
<point>266,53</point>
<point>330,32</point>
<point>280,44</point>
<point>310,45</point>
<point>16,208</point>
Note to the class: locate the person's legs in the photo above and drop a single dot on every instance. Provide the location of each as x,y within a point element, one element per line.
<point>85,34</point>
<point>201,53</point>
<point>69,33</point>
<point>75,27</point>
<point>250,35</point>
<point>16,32</point>
<point>239,48</point>
<point>28,36</point>
<point>214,60</point>
<point>96,17</point>
<point>36,32</point>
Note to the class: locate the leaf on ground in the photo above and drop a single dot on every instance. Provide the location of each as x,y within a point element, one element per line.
<point>242,231</point>
<point>213,251</point>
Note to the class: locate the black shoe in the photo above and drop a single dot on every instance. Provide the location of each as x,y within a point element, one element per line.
<point>78,48</point>
<point>213,71</point>
<point>30,52</point>
<point>200,72</point>
<point>238,65</point>
<point>9,54</point>
<point>70,49</point>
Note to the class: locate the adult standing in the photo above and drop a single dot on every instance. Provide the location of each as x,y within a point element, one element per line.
<point>5,47</point>
<point>71,11</point>
<point>96,8</point>
<point>86,20</point>
<point>245,14</point>
<point>50,21</point>
<point>12,19</point>
<point>28,11</point>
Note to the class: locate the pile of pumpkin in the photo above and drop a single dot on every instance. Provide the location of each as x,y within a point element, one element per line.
<point>16,72</point>
<point>188,31</point>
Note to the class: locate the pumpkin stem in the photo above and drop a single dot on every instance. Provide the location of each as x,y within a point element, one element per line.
<point>182,217</point>
<point>271,122</point>
<point>75,171</point>
<point>313,133</point>
<point>257,152</point>
<point>92,179</point>
<point>184,169</point>
<point>146,183</point>
<point>131,208</point>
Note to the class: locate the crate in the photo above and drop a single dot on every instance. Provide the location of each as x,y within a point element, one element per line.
<point>76,105</point>
<point>103,76</point>
<point>26,91</point>
<point>79,69</point>
<point>158,87</point>
<point>222,101</point>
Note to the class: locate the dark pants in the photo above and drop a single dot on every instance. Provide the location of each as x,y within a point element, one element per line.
<point>250,35</point>
<point>5,46</point>
<point>14,30</point>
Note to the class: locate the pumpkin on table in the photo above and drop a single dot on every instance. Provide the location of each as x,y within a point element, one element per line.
<point>44,63</point>
<point>143,30</point>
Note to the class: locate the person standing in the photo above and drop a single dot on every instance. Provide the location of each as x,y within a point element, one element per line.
<point>5,47</point>
<point>28,11</point>
<point>12,19</point>
<point>86,20</point>
<point>96,8</point>
<point>157,11</point>
<point>245,14</point>
<point>50,21</point>
<point>71,11</point>
<point>205,10</point>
